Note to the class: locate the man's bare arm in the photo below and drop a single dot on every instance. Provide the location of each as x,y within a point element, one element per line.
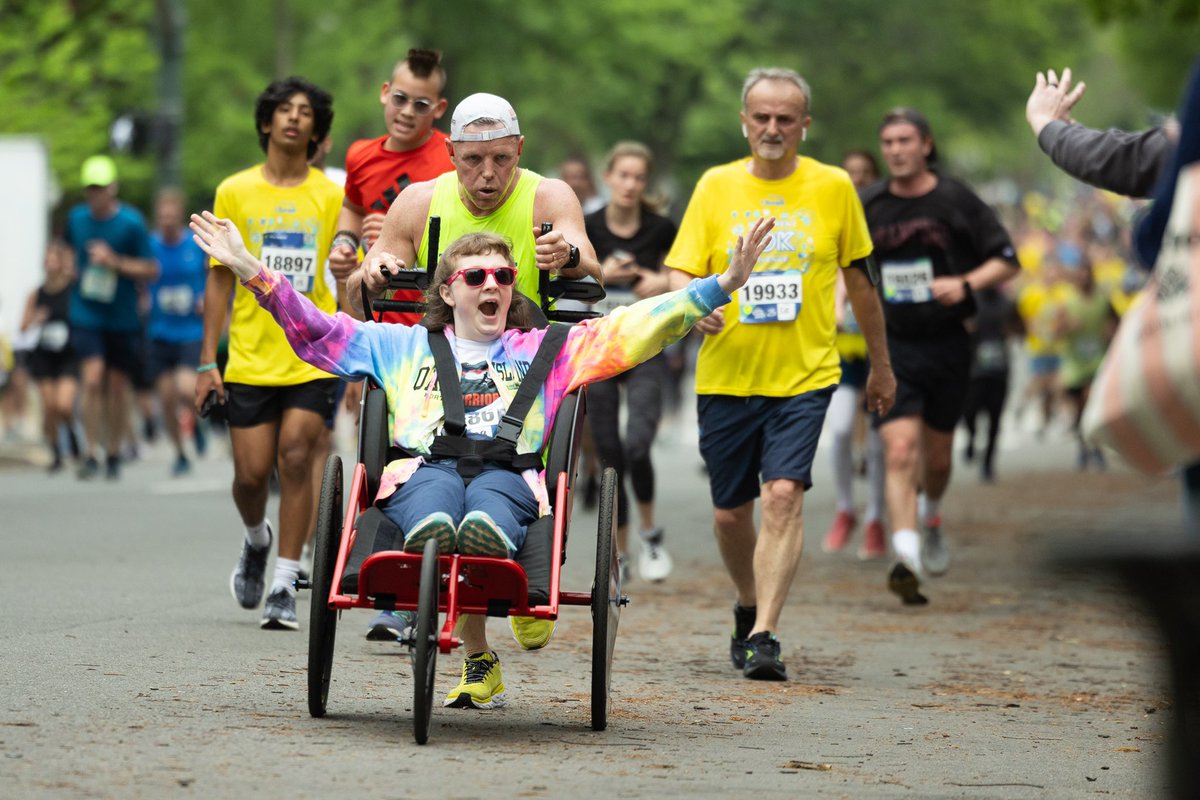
<point>881,383</point>
<point>557,204</point>
<point>403,228</point>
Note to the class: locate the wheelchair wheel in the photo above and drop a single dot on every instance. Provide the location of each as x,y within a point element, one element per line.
<point>322,620</point>
<point>606,600</point>
<point>425,652</point>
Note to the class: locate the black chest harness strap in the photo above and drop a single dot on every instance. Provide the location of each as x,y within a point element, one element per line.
<point>502,450</point>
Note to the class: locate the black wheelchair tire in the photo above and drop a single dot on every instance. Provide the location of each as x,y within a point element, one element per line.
<point>606,596</point>
<point>322,620</point>
<point>426,648</point>
<point>373,436</point>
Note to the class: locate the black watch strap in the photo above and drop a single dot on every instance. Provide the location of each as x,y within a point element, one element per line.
<point>572,258</point>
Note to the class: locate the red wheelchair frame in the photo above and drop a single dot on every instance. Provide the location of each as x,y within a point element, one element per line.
<point>452,584</point>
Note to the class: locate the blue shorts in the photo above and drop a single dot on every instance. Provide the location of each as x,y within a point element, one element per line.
<point>747,441</point>
<point>164,356</point>
<point>121,350</point>
<point>1044,365</point>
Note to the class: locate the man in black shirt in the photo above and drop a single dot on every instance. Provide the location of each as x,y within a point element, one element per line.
<point>936,244</point>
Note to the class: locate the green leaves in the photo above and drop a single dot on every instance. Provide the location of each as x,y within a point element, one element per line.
<point>585,75</point>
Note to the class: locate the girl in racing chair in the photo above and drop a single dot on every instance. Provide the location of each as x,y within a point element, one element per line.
<point>475,490</point>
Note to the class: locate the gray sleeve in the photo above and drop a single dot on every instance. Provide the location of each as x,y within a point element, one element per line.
<point>1120,161</point>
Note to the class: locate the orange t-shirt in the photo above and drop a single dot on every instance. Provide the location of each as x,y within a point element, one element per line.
<point>376,176</point>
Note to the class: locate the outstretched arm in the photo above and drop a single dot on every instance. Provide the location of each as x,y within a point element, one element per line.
<point>1125,162</point>
<point>338,344</point>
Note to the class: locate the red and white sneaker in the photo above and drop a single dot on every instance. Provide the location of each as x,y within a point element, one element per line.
<point>874,541</point>
<point>839,532</point>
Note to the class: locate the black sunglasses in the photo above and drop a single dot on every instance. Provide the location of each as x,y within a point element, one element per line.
<point>475,276</point>
<point>420,105</point>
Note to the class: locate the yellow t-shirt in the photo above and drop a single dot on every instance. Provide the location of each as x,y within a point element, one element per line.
<point>779,335</point>
<point>290,230</point>
<point>1040,306</point>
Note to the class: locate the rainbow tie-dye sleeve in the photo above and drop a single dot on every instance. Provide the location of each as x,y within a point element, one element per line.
<point>338,344</point>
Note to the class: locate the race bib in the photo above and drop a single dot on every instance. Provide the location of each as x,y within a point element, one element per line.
<point>770,296</point>
<point>486,420</point>
<point>908,281</point>
<point>286,253</point>
<point>991,356</point>
<point>615,297</point>
<point>54,336</point>
<point>177,301</point>
<point>98,284</point>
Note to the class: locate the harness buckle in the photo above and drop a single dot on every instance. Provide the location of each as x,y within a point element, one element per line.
<point>509,429</point>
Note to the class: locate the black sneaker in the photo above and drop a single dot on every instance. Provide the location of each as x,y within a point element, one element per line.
<point>743,623</point>
<point>762,658</point>
<point>112,468</point>
<point>88,469</point>
<point>904,582</point>
<point>246,582</point>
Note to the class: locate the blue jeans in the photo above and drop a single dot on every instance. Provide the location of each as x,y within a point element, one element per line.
<point>436,486</point>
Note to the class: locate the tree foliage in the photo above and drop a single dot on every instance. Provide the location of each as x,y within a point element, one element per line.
<point>581,75</point>
<point>68,68</point>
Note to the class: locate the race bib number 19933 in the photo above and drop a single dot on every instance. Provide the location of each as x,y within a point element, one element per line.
<point>770,296</point>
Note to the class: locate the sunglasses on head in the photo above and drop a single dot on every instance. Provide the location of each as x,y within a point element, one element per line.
<point>475,276</point>
<point>420,105</point>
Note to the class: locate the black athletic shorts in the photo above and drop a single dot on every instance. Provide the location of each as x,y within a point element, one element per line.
<point>49,365</point>
<point>932,375</point>
<point>247,406</point>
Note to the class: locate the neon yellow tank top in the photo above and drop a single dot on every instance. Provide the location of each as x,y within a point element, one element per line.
<point>513,220</point>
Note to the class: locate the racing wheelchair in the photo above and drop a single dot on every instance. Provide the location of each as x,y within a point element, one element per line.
<point>358,563</point>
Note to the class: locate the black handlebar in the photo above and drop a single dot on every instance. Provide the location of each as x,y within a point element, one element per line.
<point>419,279</point>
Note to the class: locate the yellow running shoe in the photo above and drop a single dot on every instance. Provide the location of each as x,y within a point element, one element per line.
<point>481,685</point>
<point>530,632</point>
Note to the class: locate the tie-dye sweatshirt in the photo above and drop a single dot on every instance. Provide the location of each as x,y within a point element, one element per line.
<point>398,358</point>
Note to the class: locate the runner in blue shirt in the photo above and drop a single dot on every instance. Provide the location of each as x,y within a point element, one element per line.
<point>176,325</point>
<point>112,251</point>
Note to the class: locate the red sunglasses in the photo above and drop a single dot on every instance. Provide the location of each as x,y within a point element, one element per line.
<point>475,276</point>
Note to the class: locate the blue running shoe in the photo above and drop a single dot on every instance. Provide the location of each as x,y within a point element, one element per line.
<point>389,626</point>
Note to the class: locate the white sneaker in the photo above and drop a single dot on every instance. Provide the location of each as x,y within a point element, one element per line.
<point>935,555</point>
<point>654,562</point>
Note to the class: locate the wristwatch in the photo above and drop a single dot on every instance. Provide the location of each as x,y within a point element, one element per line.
<point>572,258</point>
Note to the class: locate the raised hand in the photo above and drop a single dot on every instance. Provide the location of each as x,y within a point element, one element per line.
<point>221,239</point>
<point>1052,99</point>
<point>746,254</point>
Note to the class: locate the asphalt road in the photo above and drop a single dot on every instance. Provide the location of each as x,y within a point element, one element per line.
<point>128,670</point>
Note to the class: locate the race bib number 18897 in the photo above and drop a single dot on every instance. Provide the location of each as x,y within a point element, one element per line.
<point>286,253</point>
